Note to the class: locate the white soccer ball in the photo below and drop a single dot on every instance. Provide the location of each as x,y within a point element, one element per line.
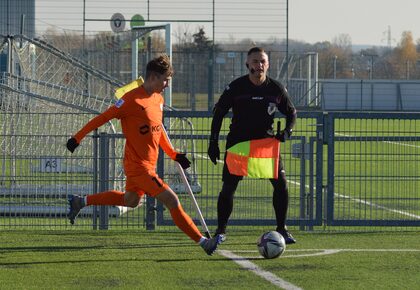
<point>271,245</point>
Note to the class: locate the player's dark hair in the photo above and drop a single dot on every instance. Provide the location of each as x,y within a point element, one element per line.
<point>256,49</point>
<point>160,65</point>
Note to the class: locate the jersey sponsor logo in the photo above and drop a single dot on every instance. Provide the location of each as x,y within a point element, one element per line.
<point>146,129</point>
<point>156,129</point>
<point>119,103</point>
<point>271,109</point>
<point>257,98</point>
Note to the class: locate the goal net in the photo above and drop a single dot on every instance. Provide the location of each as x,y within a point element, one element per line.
<point>46,96</point>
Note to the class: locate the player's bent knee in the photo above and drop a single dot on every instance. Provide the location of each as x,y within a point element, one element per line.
<point>131,204</point>
<point>131,200</point>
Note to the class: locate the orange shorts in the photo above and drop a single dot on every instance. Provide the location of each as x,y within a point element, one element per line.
<point>150,184</point>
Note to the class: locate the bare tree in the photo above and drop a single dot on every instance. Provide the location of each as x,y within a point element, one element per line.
<point>405,55</point>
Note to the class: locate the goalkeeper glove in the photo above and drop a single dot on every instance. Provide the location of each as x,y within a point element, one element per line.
<point>284,135</point>
<point>182,160</point>
<point>72,144</point>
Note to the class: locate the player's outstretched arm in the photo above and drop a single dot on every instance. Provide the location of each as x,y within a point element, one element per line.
<point>93,124</point>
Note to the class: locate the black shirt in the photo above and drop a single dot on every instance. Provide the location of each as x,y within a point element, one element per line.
<point>254,107</point>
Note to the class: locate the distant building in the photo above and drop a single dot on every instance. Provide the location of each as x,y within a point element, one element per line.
<point>11,12</point>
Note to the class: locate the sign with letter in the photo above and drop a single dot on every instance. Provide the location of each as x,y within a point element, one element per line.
<point>50,165</point>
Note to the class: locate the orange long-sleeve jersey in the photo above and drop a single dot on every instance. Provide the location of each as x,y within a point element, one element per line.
<point>141,121</point>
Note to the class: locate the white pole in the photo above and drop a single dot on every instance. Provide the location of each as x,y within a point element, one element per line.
<point>134,56</point>
<point>168,41</point>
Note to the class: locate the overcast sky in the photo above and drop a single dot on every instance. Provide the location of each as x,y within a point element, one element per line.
<point>368,22</point>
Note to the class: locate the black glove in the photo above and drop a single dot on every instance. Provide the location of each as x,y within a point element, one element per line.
<point>72,144</point>
<point>214,151</point>
<point>284,135</point>
<point>182,160</point>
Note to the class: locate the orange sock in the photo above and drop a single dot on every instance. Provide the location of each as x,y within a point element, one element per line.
<point>185,223</point>
<point>111,197</point>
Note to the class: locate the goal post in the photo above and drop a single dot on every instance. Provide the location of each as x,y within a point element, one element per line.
<point>139,31</point>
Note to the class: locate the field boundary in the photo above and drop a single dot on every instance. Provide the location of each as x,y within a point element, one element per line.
<point>248,265</point>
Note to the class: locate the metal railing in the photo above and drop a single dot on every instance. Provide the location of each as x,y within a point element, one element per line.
<point>343,169</point>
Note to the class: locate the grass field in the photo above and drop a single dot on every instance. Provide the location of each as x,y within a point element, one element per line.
<point>166,260</point>
<point>374,180</point>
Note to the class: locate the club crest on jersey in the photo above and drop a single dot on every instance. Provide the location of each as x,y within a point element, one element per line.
<point>271,108</point>
<point>119,103</point>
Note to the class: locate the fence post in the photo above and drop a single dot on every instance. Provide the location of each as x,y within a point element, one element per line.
<point>330,170</point>
<point>95,178</point>
<point>303,214</point>
<point>320,141</point>
<point>103,177</point>
<point>151,203</point>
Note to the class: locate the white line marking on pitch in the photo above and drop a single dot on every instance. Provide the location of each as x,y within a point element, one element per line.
<point>378,206</point>
<point>206,157</point>
<point>367,202</point>
<point>390,142</point>
<point>319,252</point>
<point>323,252</point>
<point>248,265</point>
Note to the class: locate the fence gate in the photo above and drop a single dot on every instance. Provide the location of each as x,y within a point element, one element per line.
<point>373,169</point>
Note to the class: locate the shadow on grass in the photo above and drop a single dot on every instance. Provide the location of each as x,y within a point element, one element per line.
<point>205,258</point>
<point>96,247</point>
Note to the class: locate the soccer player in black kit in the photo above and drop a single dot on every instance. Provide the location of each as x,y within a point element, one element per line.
<point>254,98</point>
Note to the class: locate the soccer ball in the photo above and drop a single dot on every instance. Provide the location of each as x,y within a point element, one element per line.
<point>271,245</point>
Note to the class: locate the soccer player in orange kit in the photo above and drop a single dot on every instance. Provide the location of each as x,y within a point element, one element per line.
<point>141,112</point>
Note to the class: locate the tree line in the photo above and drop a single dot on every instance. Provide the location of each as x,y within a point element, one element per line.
<point>336,59</point>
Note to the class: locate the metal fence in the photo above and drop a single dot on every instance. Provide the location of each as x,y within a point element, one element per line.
<point>373,169</point>
<point>357,95</point>
<point>344,169</point>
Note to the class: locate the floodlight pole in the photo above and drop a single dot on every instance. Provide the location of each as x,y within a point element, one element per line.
<point>335,67</point>
<point>313,55</point>
<point>370,67</point>
<point>309,79</point>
